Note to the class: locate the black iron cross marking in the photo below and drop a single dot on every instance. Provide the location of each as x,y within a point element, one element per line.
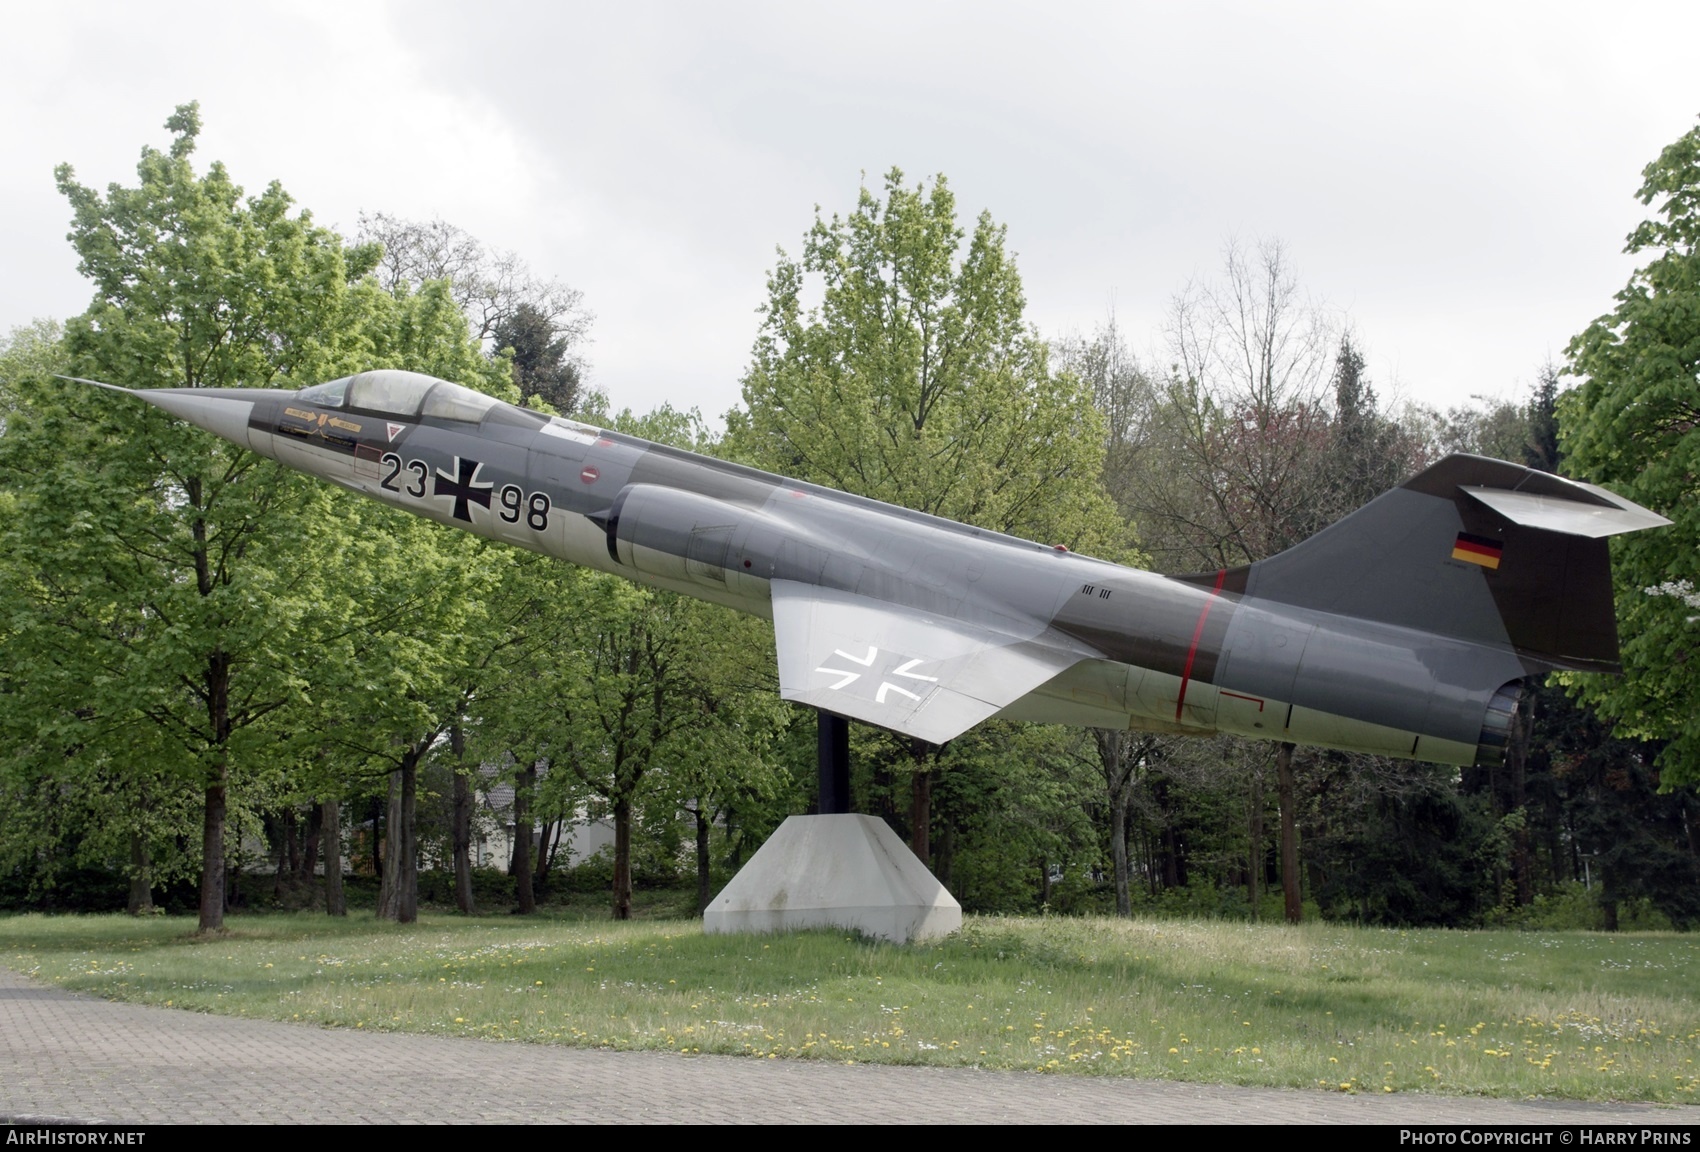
<point>464,487</point>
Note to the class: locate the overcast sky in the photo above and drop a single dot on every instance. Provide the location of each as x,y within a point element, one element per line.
<point>1456,180</point>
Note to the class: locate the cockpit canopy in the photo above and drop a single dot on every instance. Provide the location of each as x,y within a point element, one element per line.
<point>409,395</point>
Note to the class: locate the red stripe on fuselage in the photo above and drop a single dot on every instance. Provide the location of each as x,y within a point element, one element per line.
<point>1197,634</point>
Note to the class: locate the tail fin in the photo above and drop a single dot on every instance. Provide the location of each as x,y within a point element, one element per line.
<point>1473,548</point>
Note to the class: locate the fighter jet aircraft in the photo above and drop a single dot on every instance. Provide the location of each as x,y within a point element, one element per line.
<point>1405,629</point>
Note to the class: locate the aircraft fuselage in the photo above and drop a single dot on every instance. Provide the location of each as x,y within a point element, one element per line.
<point>1140,650</point>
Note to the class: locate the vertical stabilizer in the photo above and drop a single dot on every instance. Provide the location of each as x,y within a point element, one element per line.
<point>1477,549</point>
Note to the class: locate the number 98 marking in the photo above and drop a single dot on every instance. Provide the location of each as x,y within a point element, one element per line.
<point>537,511</point>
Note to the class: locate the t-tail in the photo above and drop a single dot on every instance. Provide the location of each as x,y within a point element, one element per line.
<point>1480,554</point>
<point>1478,549</point>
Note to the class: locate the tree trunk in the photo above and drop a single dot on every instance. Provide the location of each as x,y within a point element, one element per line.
<point>1174,859</point>
<point>702,857</point>
<point>389,887</point>
<point>546,856</point>
<point>1254,873</point>
<point>1118,850</point>
<point>462,827</point>
<point>398,898</point>
<point>1116,762</point>
<point>280,857</point>
<point>310,846</point>
<point>622,859</point>
<point>292,839</point>
<point>1289,834</point>
<point>212,824</point>
<point>519,865</point>
<point>212,852</point>
<point>734,837</point>
<point>141,879</point>
<point>1171,848</point>
<point>407,842</point>
<point>921,804</point>
<point>331,823</point>
<point>1522,858</point>
<point>377,816</point>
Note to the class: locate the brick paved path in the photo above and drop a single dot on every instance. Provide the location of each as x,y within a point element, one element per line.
<point>76,1057</point>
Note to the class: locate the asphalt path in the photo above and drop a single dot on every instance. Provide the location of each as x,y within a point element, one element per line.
<point>70,1057</point>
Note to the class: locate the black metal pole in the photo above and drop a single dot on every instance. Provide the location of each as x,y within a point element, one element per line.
<point>834,759</point>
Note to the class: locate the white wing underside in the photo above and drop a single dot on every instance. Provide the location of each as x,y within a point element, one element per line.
<point>904,669</point>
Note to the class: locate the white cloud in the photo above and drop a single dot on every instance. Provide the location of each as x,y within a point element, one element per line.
<point>1460,179</point>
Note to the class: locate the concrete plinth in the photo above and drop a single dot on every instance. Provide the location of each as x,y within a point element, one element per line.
<point>835,872</point>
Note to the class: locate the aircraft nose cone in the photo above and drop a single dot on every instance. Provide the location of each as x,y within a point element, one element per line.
<point>218,412</point>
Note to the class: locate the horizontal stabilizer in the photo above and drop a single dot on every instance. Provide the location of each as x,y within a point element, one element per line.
<point>913,672</point>
<point>1606,515</point>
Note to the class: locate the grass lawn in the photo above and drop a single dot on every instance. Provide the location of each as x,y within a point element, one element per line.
<point>1558,1014</point>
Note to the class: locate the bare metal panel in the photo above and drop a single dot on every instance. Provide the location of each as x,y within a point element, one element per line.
<point>1555,514</point>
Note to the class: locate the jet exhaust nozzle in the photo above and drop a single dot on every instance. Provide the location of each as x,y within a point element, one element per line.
<point>1496,725</point>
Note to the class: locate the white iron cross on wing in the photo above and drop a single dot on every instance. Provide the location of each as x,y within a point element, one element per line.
<point>906,671</point>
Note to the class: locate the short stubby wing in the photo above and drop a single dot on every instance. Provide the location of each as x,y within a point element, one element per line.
<point>910,671</point>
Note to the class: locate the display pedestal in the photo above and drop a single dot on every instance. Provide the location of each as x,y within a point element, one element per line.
<point>836,871</point>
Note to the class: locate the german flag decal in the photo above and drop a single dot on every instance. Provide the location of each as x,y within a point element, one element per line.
<point>1483,550</point>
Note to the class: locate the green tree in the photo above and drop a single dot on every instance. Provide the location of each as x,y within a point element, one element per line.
<point>1367,453</point>
<point>195,286</point>
<point>632,701</point>
<point>489,286</point>
<point>179,589</point>
<point>1541,450</point>
<point>419,633</point>
<point>1634,425</point>
<point>71,797</point>
<point>1245,422</point>
<point>1124,392</point>
<point>917,381</point>
<point>542,366</point>
<point>33,351</point>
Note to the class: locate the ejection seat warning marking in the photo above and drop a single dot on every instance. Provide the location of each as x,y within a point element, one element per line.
<point>905,670</point>
<point>392,430</point>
